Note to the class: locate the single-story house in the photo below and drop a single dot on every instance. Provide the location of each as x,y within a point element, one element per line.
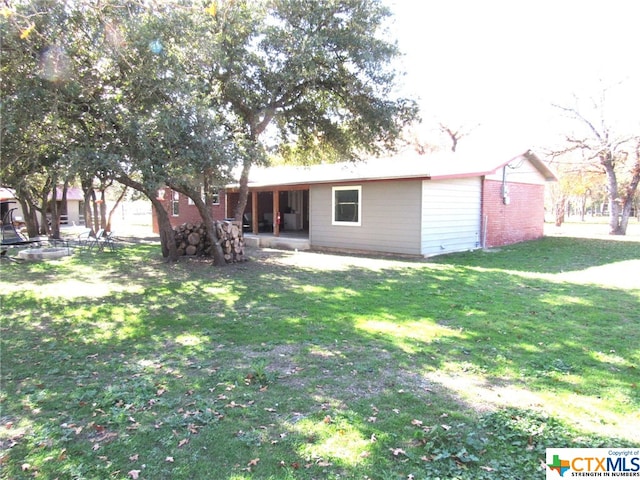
<point>410,203</point>
<point>72,212</point>
<point>8,201</point>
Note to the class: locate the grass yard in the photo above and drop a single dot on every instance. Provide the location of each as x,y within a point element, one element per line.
<point>116,365</point>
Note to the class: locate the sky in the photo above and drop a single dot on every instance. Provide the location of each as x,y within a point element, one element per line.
<point>495,67</point>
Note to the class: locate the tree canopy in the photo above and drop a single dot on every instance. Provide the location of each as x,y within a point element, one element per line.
<point>181,92</point>
<point>596,146</point>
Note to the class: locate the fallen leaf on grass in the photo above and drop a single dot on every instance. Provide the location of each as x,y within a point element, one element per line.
<point>192,428</point>
<point>397,451</point>
<point>169,459</point>
<point>134,458</point>
<point>488,469</point>
<point>183,442</point>
<point>134,474</point>
<point>416,422</point>
<point>253,463</point>
<point>446,427</point>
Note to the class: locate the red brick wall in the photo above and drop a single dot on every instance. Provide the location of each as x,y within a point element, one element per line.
<point>521,220</point>
<point>188,213</point>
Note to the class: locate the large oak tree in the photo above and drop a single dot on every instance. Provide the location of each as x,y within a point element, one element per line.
<point>173,93</point>
<point>608,149</point>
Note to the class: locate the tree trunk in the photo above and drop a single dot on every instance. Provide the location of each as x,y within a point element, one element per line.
<point>103,211</point>
<point>56,212</point>
<point>561,206</point>
<point>44,227</point>
<point>218,254</point>
<point>207,218</point>
<point>167,238</point>
<point>87,189</point>
<point>606,160</point>
<point>583,207</point>
<point>243,191</point>
<point>113,210</point>
<point>30,216</point>
<point>628,200</point>
<point>96,213</point>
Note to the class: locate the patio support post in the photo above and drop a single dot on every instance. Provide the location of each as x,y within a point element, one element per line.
<point>276,210</point>
<point>254,212</point>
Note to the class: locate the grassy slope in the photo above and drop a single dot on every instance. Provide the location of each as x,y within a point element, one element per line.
<point>306,366</point>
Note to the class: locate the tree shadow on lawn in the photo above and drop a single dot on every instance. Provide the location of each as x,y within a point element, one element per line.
<point>169,356</point>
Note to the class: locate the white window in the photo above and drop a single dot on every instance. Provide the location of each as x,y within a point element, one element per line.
<point>175,204</point>
<point>347,205</point>
<point>215,200</point>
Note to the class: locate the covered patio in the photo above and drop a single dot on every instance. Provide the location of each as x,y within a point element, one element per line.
<point>272,212</point>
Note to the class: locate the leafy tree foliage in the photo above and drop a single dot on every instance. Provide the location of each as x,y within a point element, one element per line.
<point>311,79</point>
<point>176,93</point>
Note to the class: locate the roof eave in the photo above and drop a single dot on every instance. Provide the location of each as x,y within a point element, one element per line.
<point>542,167</point>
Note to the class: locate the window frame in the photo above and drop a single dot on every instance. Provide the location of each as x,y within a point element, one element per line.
<point>334,203</point>
<point>216,196</point>
<point>175,203</point>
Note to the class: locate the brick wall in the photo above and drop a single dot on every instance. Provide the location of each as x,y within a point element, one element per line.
<point>188,213</point>
<point>521,220</point>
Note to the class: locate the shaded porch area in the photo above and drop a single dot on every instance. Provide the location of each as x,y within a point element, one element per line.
<point>275,212</point>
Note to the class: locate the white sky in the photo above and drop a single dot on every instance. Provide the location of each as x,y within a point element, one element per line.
<point>502,63</point>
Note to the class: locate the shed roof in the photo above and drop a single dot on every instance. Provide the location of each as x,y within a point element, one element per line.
<point>7,194</point>
<point>73,193</point>
<point>404,165</point>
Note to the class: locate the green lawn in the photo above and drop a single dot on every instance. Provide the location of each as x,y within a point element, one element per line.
<point>116,365</point>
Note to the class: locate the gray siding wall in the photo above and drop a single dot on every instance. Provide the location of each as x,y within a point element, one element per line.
<point>390,218</point>
<point>451,211</point>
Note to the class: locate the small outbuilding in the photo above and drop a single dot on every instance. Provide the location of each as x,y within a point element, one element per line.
<point>71,211</point>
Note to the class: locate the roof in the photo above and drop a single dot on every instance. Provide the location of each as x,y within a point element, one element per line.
<point>7,194</point>
<point>73,193</point>
<point>408,164</point>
